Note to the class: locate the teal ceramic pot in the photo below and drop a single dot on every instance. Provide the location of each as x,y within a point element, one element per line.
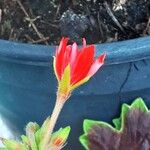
<point>28,85</point>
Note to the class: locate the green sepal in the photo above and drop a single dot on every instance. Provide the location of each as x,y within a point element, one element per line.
<point>62,133</point>
<point>64,83</point>
<point>79,83</point>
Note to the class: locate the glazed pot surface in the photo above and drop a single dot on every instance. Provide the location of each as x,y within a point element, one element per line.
<point>28,86</point>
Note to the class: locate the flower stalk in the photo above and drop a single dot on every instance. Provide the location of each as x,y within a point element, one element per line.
<point>60,101</point>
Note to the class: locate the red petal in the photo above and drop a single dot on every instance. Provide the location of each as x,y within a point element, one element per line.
<point>62,45</point>
<point>96,65</point>
<point>73,54</point>
<point>70,56</point>
<point>59,56</point>
<point>66,57</point>
<point>83,64</point>
<point>84,42</point>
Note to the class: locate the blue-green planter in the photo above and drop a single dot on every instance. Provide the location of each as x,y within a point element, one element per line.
<point>28,85</point>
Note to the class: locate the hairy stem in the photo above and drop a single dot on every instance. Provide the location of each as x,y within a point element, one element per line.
<point>51,124</point>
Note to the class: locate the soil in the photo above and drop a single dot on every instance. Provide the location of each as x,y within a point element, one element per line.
<point>99,21</point>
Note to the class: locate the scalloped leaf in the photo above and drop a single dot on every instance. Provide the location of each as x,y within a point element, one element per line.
<point>139,104</point>
<point>131,131</point>
<point>84,140</point>
<point>117,123</point>
<point>88,124</point>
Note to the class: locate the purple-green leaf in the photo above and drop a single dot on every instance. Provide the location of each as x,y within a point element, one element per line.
<point>131,130</point>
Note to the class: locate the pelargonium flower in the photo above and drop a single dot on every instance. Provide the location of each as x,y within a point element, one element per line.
<point>74,66</point>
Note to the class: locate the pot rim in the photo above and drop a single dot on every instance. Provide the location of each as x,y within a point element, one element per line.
<point>40,55</point>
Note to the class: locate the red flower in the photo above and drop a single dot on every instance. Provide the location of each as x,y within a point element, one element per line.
<point>73,66</point>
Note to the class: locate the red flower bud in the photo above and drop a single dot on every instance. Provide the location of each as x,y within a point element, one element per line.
<point>74,66</point>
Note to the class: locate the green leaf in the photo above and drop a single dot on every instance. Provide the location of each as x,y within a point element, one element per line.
<point>84,141</point>
<point>125,109</point>
<point>139,104</point>
<point>11,144</point>
<point>88,125</point>
<point>117,123</point>
<point>130,131</point>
